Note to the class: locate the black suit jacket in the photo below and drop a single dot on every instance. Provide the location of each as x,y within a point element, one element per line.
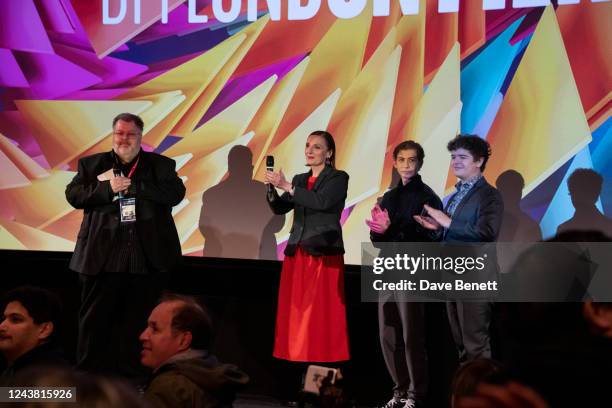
<point>316,219</point>
<point>157,189</point>
<point>476,219</point>
<point>478,216</point>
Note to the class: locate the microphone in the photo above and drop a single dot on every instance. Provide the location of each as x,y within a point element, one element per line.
<point>117,173</point>
<point>270,167</point>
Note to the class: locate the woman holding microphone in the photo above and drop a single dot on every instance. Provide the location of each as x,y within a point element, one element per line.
<point>311,316</point>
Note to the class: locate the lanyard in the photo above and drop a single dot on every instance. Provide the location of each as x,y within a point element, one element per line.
<point>133,168</point>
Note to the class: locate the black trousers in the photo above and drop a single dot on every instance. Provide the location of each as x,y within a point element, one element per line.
<point>113,313</point>
<point>402,337</point>
<point>469,324</point>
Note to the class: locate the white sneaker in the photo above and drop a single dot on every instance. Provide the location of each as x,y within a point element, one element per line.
<point>395,403</point>
<point>409,403</point>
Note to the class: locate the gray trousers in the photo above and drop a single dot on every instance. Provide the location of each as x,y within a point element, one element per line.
<point>402,337</point>
<point>469,324</point>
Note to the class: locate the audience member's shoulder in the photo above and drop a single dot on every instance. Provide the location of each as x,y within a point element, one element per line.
<point>203,374</point>
<point>46,354</point>
<point>168,375</point>
<point>172,383</point>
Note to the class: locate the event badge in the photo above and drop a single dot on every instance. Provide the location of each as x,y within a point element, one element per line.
<point>127,208</point>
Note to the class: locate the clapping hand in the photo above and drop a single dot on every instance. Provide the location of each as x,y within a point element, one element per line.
<point>435,219</point>
<point>380,220</point>
<point>277,179</point>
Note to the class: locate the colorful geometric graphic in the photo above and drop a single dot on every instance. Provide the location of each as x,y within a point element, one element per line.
<point>536,82</point>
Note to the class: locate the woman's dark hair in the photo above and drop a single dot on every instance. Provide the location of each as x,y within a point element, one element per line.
<point>331,145</point>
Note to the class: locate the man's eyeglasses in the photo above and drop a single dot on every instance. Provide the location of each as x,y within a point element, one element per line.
<point>129,135</point>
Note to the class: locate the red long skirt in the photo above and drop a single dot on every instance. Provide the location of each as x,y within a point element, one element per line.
<point>311,317</point>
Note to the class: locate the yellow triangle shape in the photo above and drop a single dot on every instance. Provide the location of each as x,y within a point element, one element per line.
<point>541,123</point>
<point>11,176</point>
<point>8,240</point>
<point>268,118</point>
<point>361,123</point>
<point>66,129</point>
<point>436,120</point>
<point>190,78</point>
<point>410,81</point>
<point>226,126</point>
<point>441,97</point>
<point>23,204</point>
<point>22,161</point>
<point>194,243</point>
<point>191,118</point>
<point>345,45</point>
<point>36,240</point>
<point>289,154</point>
<point>67,226</point>
<point>435,171</point>
<point>163,105</point>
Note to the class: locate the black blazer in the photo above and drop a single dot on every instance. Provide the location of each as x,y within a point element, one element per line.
<point>157,189</point>
<point>478,216</point>
<point>316,218</point>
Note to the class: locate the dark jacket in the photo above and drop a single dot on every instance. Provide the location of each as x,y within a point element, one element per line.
<point>476,219</point>
<point>478,216</point>
<point>316,218</point>
<point>44,355</point>
<point>157,189</point>
<point>195,382</point>
<point>402,203</point>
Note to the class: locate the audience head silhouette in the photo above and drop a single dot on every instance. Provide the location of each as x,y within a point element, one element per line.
<point>510,184</point>
<point>584,187</point>
<point>240,161</point>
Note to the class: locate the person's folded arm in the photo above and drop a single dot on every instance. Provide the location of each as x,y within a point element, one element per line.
<point>87,191</point>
